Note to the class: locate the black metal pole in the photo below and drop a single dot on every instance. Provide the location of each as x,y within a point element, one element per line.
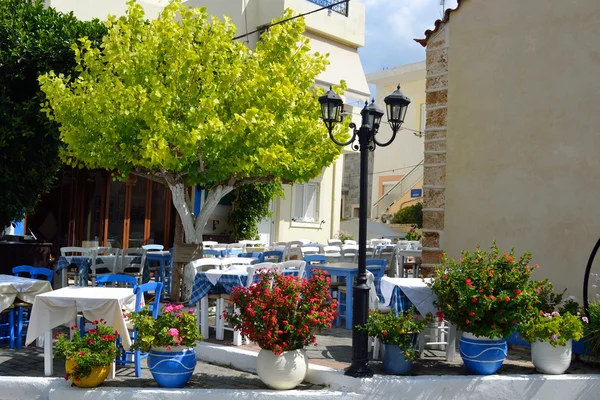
<point>586,279</point>
<point>360,308</point>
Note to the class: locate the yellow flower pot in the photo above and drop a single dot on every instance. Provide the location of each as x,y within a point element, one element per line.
<point>97,376</point>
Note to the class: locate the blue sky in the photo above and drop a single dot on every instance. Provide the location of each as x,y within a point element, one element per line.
<point>391,26</point>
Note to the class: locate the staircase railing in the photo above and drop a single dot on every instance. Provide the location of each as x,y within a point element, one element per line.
<point>404,185</point>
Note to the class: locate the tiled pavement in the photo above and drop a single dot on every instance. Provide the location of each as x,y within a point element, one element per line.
<point>333,350</point>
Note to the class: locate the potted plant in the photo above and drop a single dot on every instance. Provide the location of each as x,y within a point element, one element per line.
<point>281,314</point>
<point>399,334</point>
<point>485,294</point>
<point>551,336</point>
<point>170,340</point>
<point>88,357</point>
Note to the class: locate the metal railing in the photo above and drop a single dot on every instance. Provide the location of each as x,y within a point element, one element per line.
<point>403,186</point>
<point>339,8</point>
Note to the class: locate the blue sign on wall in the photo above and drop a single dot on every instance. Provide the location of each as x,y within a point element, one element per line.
<point>414,193</point>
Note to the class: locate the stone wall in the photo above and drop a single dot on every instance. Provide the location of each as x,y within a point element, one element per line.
<point>351,183</point>
<point>434,175</point>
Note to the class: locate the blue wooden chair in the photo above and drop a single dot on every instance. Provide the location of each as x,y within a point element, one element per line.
<point>7,326</point>
<point>377,267</point>
<point>153,247</point>
<point>115,279</point>
<point>39,273</point>
<point>313,261</point>
<point>21,309</point>
<point>273,256</point>
<point>23,269</point>
<point>259,255</point>
<point>154,307</point>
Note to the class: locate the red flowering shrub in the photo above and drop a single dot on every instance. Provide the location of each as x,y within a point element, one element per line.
<point>486,294</point>
<point>281,313</point>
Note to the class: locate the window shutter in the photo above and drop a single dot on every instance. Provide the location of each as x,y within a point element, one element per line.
<point>311,202</point>
<point>298,201</point>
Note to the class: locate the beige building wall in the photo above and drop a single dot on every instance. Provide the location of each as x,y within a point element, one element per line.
<point>522,163</point>
<point>407,149</point>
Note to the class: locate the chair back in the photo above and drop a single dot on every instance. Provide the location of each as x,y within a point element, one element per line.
<point>332,250</point>
<point>145,288</point>
<point>208,244</point>
<point>298,265</point>
<point>334,242</point>
<point>23,269</point>
<point>129,280</point>
<point>349,254</point>
<point>211,253</point>
<point>43,272</point>
<point>292,249</point>
<point>273,256</point>
<point>133,260</point>
<point>69,252</point>
<point>259,255</point>
<point>309,249</point>
<point>373,298</point>
<point>109,257</point>
<point>204,264</point>
<point>153,247</point>
<point>313,259</point>
<point>350,242</point>
<point>262,267</point>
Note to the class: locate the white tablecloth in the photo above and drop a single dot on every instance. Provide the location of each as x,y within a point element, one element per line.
<point>415,289</point>
<point>61,306</point>
<point>25,289</point>
<point>213,275</point>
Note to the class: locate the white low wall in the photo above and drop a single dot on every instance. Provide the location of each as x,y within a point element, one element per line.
<point>454,387</point>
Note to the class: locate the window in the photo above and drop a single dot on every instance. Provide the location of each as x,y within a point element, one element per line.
<point>306,204</point>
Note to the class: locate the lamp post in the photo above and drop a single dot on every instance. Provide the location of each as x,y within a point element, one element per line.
<point>331,110</point>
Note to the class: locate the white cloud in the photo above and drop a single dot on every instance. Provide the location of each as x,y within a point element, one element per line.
<point>391,26</point>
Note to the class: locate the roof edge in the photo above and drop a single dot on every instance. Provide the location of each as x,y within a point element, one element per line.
<point>438,24</point>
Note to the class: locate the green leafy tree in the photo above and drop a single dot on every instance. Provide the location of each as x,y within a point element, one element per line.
<point>33,40</point>
<point>250,206</point>
<point>178,101</point>
<point>410,215</point>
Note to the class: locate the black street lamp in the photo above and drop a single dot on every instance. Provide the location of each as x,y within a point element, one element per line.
<point>331,109</point>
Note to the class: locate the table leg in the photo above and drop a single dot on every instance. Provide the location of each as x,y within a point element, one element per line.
<point>63,277</point>
<point>113,368</point>
<point>349,299</point>
<point>451,346</point>
<point>204,317</point>
<point>48,353</point>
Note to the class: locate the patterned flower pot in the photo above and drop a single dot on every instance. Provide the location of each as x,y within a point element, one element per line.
<point>551,360</point>
<point>285,371</point>
<point>394,361</point>
<point>171,368</point>
<point>97,376</point>
<point>481,355</point>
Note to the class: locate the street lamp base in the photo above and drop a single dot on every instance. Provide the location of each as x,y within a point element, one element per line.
<point>359,370</point>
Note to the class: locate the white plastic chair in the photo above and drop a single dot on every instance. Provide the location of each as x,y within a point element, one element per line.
<point>202,307</point>
<point>334,242</point>
<point>299,265</point>
<point>127,265</point>
<point>292,249</point>
<point>350,242</point>
<point>349,253</point>
<point>110,261</point>
<point>69,253</point>
<point>208,244</point>
<point>308,249</point>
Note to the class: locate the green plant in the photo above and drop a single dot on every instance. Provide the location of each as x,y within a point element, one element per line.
<point>281,313</point>
<point>397,330</point>
<point>410,215</point>
<point>177,100</point>
<point>485,293</point>
<point>34,39</point>
<point>343,236</point>
<point>548,299</point>
<point>173,327</point>
<point>552,327</point>
<point>250,206</point>
<point>413,234</point>
<point>96,348</point>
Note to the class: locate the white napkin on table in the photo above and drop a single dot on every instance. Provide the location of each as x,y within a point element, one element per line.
<point>214,275</point>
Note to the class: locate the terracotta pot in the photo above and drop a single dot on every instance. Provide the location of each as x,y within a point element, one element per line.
<point>97,376</point>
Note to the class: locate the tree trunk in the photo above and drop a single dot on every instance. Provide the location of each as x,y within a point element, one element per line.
<point>182,204</point>
<point>215,194</point>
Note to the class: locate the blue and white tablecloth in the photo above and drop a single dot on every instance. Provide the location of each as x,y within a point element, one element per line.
<point>202,285</point>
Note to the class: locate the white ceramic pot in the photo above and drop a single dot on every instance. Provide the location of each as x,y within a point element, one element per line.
<point>551,360</point>
<point>285,371</point>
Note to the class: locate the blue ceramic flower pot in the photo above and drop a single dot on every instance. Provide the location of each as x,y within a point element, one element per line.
<point>171,368</point>
<point>394,362</point>
<point>482,356</point>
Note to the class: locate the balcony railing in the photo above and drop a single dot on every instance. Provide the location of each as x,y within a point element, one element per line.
<point>340,8</point>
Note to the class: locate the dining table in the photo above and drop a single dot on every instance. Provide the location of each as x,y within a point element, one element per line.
<point>108,263</point>
<point>400,294</point>
<point>61,306</point>
<point>25,289</point>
